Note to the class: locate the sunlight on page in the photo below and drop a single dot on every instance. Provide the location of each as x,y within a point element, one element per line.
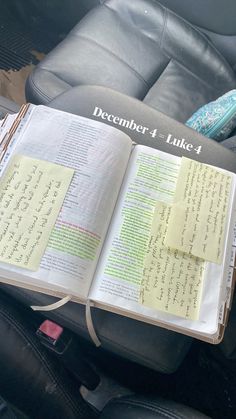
<point>198,216</point>
<point>172,280</point>
<point>31,195</point>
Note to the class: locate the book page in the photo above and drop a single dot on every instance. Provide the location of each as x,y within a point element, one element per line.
<point>31,195</point>
<point>99,155</point>
<point>199,213</point>
<point>172,280</point>
<point>151,176</point>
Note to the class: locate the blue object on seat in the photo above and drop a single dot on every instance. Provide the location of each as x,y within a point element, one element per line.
<point>216,119</point>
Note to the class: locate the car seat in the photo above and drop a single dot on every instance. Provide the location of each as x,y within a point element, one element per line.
<point>146,51</point>
<point>39,386</point>
<point>139,48</point>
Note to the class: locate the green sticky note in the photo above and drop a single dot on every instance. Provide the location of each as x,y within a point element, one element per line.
<point>31,194</point>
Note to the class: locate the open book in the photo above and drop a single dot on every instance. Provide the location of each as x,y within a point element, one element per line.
<point>115,239</point>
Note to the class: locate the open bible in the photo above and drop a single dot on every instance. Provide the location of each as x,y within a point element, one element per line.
<point>143,233</point>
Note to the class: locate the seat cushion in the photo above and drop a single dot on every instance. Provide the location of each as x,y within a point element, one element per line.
<point>141,49</point>
<point>148,408</point>
<point>148,345</point>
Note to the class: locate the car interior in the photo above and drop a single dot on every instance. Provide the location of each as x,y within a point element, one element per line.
<point>166,56</point>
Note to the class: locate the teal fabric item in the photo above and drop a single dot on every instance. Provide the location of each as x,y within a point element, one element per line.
<point>216,119</point>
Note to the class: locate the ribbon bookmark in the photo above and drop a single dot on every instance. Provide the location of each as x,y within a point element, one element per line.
<point>90,326</point>
<point>53,306</point>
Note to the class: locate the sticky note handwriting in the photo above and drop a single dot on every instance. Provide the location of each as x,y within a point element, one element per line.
<point>172,280</point>
<point>198,216</point>
<point>31,195</point>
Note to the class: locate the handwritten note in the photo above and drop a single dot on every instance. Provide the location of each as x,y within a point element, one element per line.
<point>31,195</point>
<point>198,217</point>
<point>172,280</point>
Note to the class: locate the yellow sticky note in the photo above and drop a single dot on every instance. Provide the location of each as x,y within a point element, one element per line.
<point>31,195</point>
<point>172,280</point>
<point>198,216</point>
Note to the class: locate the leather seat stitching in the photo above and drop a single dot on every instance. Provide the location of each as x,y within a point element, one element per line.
<point>150,39</point>
<point>193,74</point>
<point>164,27</point>
<point>201,35</point>
<point>38,90</point>
<point>182,20</point>
<point>178,63</point>
<point>152,407</point>
<point>137,29</point>
<point>168,12</point>
<point>41,92</point>
<point>171,410</point>
<point>54,73</point>
<point>115,56</point>
<point>159,76</point>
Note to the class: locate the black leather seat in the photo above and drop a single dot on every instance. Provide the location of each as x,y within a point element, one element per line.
<point>139,48</point>
<point>148,408</point>
<point>38,385</point>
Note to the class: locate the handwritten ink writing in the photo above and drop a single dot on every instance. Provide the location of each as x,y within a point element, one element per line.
<point>198,216</point>
<point>172,280</point>
<point>27,214</point>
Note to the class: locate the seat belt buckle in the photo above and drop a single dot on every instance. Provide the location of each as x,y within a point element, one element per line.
<point>60,341</point>
<point>54,337</point>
